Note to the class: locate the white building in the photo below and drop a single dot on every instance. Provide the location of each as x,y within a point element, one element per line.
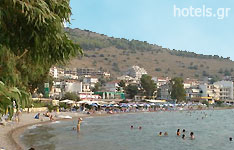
<point>54,72</point>
<point>136,72</point>
<point>74,87</point>
<point>210,91</point>
<point>161,81</point>
<point>90,80</point>
<point>226,89</point>
<point>112,86</point>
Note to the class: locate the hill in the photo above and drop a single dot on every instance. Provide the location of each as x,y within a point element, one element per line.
<point>117,55</point>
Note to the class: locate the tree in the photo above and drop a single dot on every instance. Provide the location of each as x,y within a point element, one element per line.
<point>148,85</point>
<point>177,89</point>
<point>71,96</point>
<point>132,90</point>
<point>96,87</point>
<point>32,39</point>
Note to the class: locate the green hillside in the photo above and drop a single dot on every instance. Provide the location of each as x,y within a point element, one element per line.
<point>117,55</point>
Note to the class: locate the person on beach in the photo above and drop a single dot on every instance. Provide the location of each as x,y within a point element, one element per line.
<point>37,116</point>
<point>192,136</point>
<point>51,118</point>
<point>165,134</point>
<point>183,137</point>
<point>178,132</point>
<point>78,124</point>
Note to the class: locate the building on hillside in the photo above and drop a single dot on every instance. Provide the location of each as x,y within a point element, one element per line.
<point>54,72</point>
<point>161,81</point>
<point>112,86</point>
<point>90,80</point>
<point>74,87</point>
<point>136,72</point>
<point>226,90</point>
<point>92,72</point>
<point>70,71</point>
<point>71,76</point>
<point>210,91</point>
<point>193,93</point>
<point>190,83</point>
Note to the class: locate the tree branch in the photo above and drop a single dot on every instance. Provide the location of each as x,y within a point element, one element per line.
<point>23,54</point>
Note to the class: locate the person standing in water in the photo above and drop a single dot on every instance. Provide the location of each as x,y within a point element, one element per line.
<point>78,124</point>
<point>178,132</point>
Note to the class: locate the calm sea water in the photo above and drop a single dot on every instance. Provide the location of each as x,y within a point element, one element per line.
<point>114,133</point>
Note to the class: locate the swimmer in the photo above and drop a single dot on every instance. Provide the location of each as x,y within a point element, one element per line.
<point>183,130</point>
<point>160,134</point>
<point>183,137</point>
<point>230,139</point>
<point>140,128</point>
<point>192,136</point>
<point>178,132</point>
<point>74,128</point>
<point>131,127</point>
<point>165,134</point>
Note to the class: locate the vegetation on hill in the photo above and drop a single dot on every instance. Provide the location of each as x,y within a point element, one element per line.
<point>117,55</point>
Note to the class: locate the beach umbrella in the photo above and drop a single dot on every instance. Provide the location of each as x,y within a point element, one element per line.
<point>94,105</point>
<point>147,105</point>
<point>141,105</point>
<point>116,105</point>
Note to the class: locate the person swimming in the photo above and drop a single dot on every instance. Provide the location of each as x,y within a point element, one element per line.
<point>140,128</point>
<point>131,127</point>
<point>160,134</point>
<point>183,137</point>
<point>230,139</point>
<point>178,132</point>
<point>165,134</point>
<point>183,130</point>
<point>192,136</point>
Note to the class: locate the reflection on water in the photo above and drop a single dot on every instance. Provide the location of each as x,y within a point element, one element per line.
<point>212,130</point>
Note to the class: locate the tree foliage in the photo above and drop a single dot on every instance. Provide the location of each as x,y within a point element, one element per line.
<point>177,89</point>
<point>71,96</point>
<point>132,90</point>
<point>32,39</point>
<point>148,85</point>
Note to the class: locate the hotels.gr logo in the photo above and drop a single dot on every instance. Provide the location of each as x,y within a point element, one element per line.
<point>219,13</point>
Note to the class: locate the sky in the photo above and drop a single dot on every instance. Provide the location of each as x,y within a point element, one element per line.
<point>158,22</point>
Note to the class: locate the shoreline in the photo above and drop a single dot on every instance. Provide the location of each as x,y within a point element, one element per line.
<point>11,136</point>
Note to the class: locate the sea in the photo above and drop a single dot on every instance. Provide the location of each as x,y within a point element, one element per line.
<point>212,130</point>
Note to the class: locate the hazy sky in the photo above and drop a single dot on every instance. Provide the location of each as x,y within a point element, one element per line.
<point>154,21</point>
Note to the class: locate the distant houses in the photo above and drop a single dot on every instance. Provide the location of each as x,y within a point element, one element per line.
<point>82,81</point>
